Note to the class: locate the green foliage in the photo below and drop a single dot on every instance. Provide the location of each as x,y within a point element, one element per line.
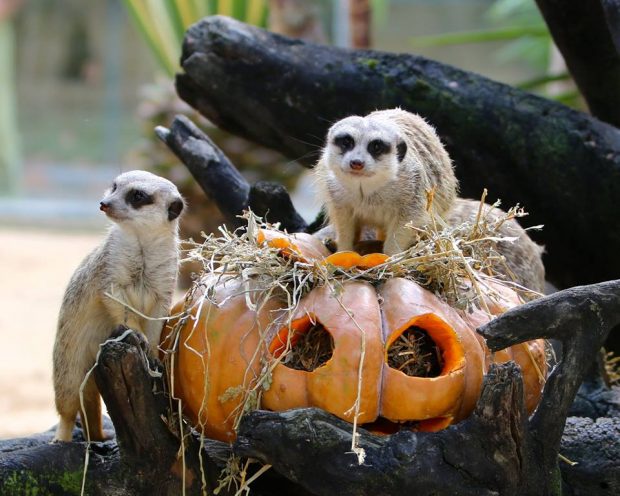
<point>162,23</point>
<point>25,483</point>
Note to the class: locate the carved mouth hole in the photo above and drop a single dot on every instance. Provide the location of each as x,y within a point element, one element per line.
<point>414,353</point>
<point>311,348</point>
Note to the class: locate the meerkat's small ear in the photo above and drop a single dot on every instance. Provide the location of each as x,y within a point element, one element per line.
<point>175,209</point>
<point>401,150</point>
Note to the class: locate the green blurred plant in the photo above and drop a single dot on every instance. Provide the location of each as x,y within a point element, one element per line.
<point>163,23</point>
<point>10,160</point>
<point>520,24</point>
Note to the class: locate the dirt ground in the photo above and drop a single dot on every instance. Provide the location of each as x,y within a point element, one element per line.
<point>34,270</point>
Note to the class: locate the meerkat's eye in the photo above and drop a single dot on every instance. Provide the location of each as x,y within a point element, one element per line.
<point>137,198</point>
<point>113,187</point>
<point>345,142</point>
<point>378,147</point>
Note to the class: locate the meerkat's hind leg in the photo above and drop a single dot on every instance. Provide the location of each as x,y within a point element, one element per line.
<point>64,430</point>
<point>91,414</point>
<point>67,403</point>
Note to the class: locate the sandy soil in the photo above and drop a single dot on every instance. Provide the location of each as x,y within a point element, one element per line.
<point>34,270</point>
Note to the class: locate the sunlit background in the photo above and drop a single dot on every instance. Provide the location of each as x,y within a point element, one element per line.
<point>82,85</point>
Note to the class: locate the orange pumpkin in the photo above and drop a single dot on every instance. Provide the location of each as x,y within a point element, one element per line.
<point>225,348</point>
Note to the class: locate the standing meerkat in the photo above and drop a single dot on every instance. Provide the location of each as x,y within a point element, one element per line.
<point>375,171</point>
<point>137,264</point>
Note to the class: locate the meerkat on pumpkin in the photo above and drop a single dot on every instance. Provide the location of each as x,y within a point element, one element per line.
<point>137,264</point>
<point>375,171</point>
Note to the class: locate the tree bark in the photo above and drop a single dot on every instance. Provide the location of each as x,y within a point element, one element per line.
<point>587,34</point>
<point>563,165</point>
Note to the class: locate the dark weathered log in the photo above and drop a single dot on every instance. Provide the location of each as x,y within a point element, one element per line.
<point>584,33</point>
<point>313,448</point>
<point>223,183</point>
<point>581,318</point>
<point>595,397</point>
<point>495,451</point>
<point>595,445</point>
<point>272,202</point>
<point>563,165</point>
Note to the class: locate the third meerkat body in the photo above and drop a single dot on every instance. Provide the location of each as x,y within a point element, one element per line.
<point>136,264</point>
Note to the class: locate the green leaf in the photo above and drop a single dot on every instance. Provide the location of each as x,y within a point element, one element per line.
<point>480,36</point>
<point>543,80</point>
<point>142,18</point>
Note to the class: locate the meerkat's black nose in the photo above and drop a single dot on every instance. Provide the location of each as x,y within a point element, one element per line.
<point>356,164</point>
<point>103,206</point>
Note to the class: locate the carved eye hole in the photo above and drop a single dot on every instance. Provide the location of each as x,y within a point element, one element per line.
<point>378,147</point>
<point>344,142</point>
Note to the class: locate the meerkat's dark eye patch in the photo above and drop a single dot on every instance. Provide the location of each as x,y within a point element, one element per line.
<point>175,209</point>
<point>138,198</point>
<point>378,147</point>
<point>345,142</point>
<point>401,150</point>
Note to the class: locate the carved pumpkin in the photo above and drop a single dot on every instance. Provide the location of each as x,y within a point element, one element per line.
<point>223,353</point>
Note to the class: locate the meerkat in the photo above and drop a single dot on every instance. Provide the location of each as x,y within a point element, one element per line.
<point>375,172</point>
<point>136,264</point>
<point>523,256</point>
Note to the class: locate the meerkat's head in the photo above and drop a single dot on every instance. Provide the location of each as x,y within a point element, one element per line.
<point>366,148</point>
<point>142,201</point>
